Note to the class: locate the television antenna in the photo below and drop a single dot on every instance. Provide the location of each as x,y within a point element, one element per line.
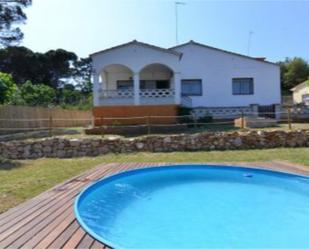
<point>177,3</point>
<point>249,42</point>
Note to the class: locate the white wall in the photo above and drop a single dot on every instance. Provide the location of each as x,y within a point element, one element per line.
<point>216,69</point>
<point>298,94</point>
<point>135,57</point>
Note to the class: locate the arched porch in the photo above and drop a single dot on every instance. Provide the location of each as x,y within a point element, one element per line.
<point>156,85</point>
<point>153,84</point>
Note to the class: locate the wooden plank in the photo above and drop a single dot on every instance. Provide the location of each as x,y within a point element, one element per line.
<point>75,239</point>
<point>28,205</point>
<point>39,216</point>
<point>56,226</point>
<point>65,236</point>
<point>41,213</point>
<point>37,236</point>
<point>44,232</point>
<point>56,232</point>
<point>59,229</point>
<point>32,228</point>
<point>86,242</point>
<point>24,210</point>
<point>39,228</point>
<point>97,245</point>
<point>9,228</point>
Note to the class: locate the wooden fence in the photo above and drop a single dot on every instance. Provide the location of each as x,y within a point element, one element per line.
<point>18,118</point>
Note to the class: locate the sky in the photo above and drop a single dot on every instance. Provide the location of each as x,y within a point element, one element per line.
<point>280,28</point>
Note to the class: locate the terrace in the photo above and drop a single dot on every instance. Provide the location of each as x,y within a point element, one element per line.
<point>48,221</point>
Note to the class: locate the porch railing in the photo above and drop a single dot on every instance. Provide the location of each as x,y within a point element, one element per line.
<point>143,93</point>
<point>157,93</point>
<point>112,94</point>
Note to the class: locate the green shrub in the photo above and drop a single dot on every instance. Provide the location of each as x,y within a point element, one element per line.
<point>37,94</point>
<point>183,111</point>
<point>205,119</point>
<point>7,87</point>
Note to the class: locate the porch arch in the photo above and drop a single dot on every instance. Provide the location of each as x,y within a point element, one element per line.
<point>116,76</point>
<point>156,76</point>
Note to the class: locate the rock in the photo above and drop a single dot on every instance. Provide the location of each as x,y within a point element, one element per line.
<point>47,149</point>
<point>139,146</point>
<point>237,142</point>
<point>74,142</point>
<point>167,139</point>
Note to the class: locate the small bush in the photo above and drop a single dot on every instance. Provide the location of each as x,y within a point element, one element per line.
<point>184,111</point>
<point>205,119</point>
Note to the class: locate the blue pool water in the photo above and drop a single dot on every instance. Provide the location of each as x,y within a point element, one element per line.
<point>197,207</point>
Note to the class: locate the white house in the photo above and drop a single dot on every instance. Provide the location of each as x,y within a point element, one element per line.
<point>135,78</point>
<point>301,93</point>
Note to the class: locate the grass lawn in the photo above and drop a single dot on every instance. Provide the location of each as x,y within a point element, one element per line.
<point>21,180</point>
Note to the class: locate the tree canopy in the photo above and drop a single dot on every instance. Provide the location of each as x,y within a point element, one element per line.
<point>62,71</point>
<point>293,72</point>
<point>50,67</point>
<point>11,13</point>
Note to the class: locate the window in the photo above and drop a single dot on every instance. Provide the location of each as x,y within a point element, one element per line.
<point>191,87</point>
<point>124,84</point>
<point>242,86</point>
<point>148,84</point>
<point>305,98</point>
<point>154,84</point>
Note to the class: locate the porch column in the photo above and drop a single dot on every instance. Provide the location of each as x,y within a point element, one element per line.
<point>96,89</point>
<point>104,81</point>
<point>177,87</point>
<point>278,111</point>
<point>136,89</point>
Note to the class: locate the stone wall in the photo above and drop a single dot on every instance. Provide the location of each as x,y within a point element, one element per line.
<point>66,148</point>
<point>225,112</point>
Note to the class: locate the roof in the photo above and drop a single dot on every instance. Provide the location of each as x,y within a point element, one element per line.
<point>224,51</point>
<point>135,42</point>
<point>305,83</point>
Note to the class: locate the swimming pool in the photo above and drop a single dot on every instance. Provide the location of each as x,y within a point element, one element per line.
<point>195,206</point>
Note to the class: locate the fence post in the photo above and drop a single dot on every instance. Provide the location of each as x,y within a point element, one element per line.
<point>289,118</point>
<point>93,121</point>
<point>148,125</point>
<point>50,124</point>
<point>242,120</point>
<point>194,120</point>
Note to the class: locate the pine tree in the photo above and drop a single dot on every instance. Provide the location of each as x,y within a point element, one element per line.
<point>11,14</point>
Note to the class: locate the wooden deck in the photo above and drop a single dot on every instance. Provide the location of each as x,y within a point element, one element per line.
<point>47,221</point>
